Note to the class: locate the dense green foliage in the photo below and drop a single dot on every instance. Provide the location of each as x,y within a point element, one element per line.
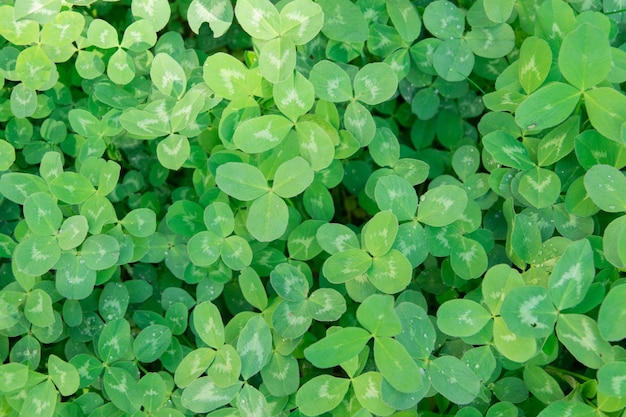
<point>313,207</point>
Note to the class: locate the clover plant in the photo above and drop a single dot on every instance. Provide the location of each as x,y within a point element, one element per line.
<point>312,208</point>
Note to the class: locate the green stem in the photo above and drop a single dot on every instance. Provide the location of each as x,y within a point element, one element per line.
<point>564,372</point>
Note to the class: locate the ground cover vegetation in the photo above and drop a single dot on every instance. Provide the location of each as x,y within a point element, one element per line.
<point>312,208</point>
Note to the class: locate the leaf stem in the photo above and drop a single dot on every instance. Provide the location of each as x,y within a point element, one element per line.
<point>564,373</point>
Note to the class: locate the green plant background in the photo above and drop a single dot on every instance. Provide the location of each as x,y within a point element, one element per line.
<point>312,207</point>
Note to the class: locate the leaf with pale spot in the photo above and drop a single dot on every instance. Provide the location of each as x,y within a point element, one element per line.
<point>294,96</point>
<point>321,394</point>
<point>241,181</point>
<point>540,187</point>
<point>168,75</point>
<point>152,342</point>
<point>114,341</point>
<point>375,83</point>
<point>612,315</point>
<point>528,312</point>
<point>507,150</point>
<point>207,321</point>
<point>461,317</point>
<point>217,13</point>
<point>122,389</point>
<point>453,379</point>
<point>262,133</point>
<point>396,365</point>
<point>173,151</point>
<point>606,186</point>
<point>193,365</point>
<point>156,11</point>
<point>203,395</point>
<point>468,258</point>
<point>268,217</point>
<point>331,82</point>
<point>254,346</point>
<point>259,18</point>
<point>281,376</point>
<point>572,275</point>
<point>548,106</point>
<point>581,336</point>
<point>301,21</point>
<point>535,60</point>
<point>442,205</point>
<point>64,375</point>
<point>277,59</point>
<point>40,400</point>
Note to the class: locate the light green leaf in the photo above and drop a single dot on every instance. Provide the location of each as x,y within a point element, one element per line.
<point>42,214</point>
<point>115,340</point>
<point>442,205</point>
<point>291,319</point>
<point>289,282</point>
<point>254,346</point>
<point>453,379</point>
<point>226,75</point>
<point>301,21</point>
<point>89,65</point>
<point>277,60</point>
<point>396,365</point>
<point>64,375</point>
<point>139,36</point>
<point>321,394</point>
<point>24,32</point>
<point>173,151</point>
<point>377,315</point>
<point>40,400</point>
<point>39,11</point>
<point>193,365</point>
<point>294,96</point>
<point>152,342</point>
<point>36,255</point>
<point>548,106</point>
<point>140,222</point>
<point>491,42</point>
<point>236,253</point>
<point>525,238</point>
<point>252,288</point>
<point>121,67</point>
<point>100,252</point>
<point>468,258</point>
<point>262,133</point>
<point>268,217</point>
<point>219,218</point>
<point>316,146</point>
<point>63,29</point>
<point>241,181</point>
<point>585,56</point>
<point>606,186</point>
<point>540,187</point>
<point>528,312</point>
<point>461,318</point>
<point>18,186</point>
<point>207,321</point>
<point>38,308</point>
<point>567,407</point>
<point>444,20</point>
<point>559,142</point>
<point>391,272</point>
<point>331,82</point>
<point>453,59</point>
<point>168,75</point>
<point>343,21</point>
<point>259,18</point>
<point>607,111</point>
<point>337,347</point>
<point>572,275</point>
<point>405,19</point>
<point>281,376</point>
<point>326,304</point>
<point>535,60</point>
<point>375,83</point>
<point>156,11</point>
<point>75,280</point>
<point>498,11</point>
<point>396,194</point>
<point>217,13</point>
<point>612,314</point>
<point>379,233</point>
<point>71,188</point>
<point>346,265</point>
<point>34,68</point>
<point>13,376</point>
<point>612,380</point>
<point>113,301</point>
<point>336,237</point>
<point>359,121</point>
<point>507,150</point>
<point>143,124</point>
<point>581,336</point>
<point>226,367</point>
<point>102,34</point>
<point>292,177</point>
<point>516,348</point>
<point>542,385</point>
<point>23,101</point>
<point>203,395</point>
<point>122,389</point>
